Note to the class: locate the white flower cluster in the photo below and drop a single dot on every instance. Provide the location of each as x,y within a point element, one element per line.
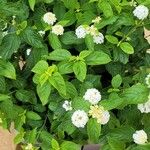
<point>50,19</point>
<point>141,12</point>
<point>140,137</point>
<point>67,105</point>
<point>79,118</point>
<point>82,31</point>
<point>92,95</point>
<point>147,80</point>
<point>145,107</point>
<point>58,29</point>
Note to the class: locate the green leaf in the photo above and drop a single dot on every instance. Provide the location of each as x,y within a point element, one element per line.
<point>33,116</point>
<point>71,16</point>
<point>59,55</point>
<point>97,58</point>
<point>116,81</point>
<point>58,82</point>
<point>115,144</point>
<point>55,144</point>
<point>136,94</point>
<point>67,145</point>
<point>32,4</point>
<point>84,54</point>
<point>111,39</point>
<point>32,37</point>
<point>71,90</point>
<point>7,69</point>
<point>31,135</point>
<point>54,41</point>
<point>26,96</point>
<point>106,8</point>
<point>19,137</point>
<point>40,67</point>
<point>4,97</point>
<point>44,92</point>
<point>107,21</point>
<point>2,84</point>
<point>141,147</point>
<point>123,133</point>
<point>80,70</point>
<point>112,102</point>
<point>46,138</point>
<point>73,4</point>
<point>93,130</point>
<point>65,67</point>
<point>89,42</point>
<point>10,44</point>
<point>80,103</point>
<point>127,48</point>
<point>69,38</point>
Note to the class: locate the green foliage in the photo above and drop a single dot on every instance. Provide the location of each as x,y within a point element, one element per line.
<point>93,130</point>
<point>42,73</point>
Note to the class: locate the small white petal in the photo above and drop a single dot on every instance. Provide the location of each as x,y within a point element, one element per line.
<point>105,117</point>
<point>67,105</point>
<point>41,32</point>
<point>28,51</point>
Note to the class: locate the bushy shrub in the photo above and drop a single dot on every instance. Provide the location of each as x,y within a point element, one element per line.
<point>74,72</point>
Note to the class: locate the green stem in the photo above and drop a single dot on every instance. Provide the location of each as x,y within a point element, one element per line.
<point>41,129</point>
<point>130,32</point>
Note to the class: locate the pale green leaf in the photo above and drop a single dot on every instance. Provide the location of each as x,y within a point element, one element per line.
<point>80,70</point>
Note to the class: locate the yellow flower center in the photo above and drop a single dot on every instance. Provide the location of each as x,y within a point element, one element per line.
<point>96,111</point>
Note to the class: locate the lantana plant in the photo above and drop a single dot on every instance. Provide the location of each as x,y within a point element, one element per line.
<point>75,72</point>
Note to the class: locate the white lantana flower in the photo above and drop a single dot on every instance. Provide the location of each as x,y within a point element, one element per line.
<point>29,147</point>
<point>145,107</point>
<point>58,29</point>
<point>141,12</point>
<point>100,114</point>
<point>49,18</point>
<point>41,32</point>
<point>98,39</point>
<point>140,137</point>
<point>80,32</point>
<point>79,118</point>
<point>28,51</point>
<point>67,105</point>
<point>147,80</point>
<point>92,95</point>
<point>97,19</point>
